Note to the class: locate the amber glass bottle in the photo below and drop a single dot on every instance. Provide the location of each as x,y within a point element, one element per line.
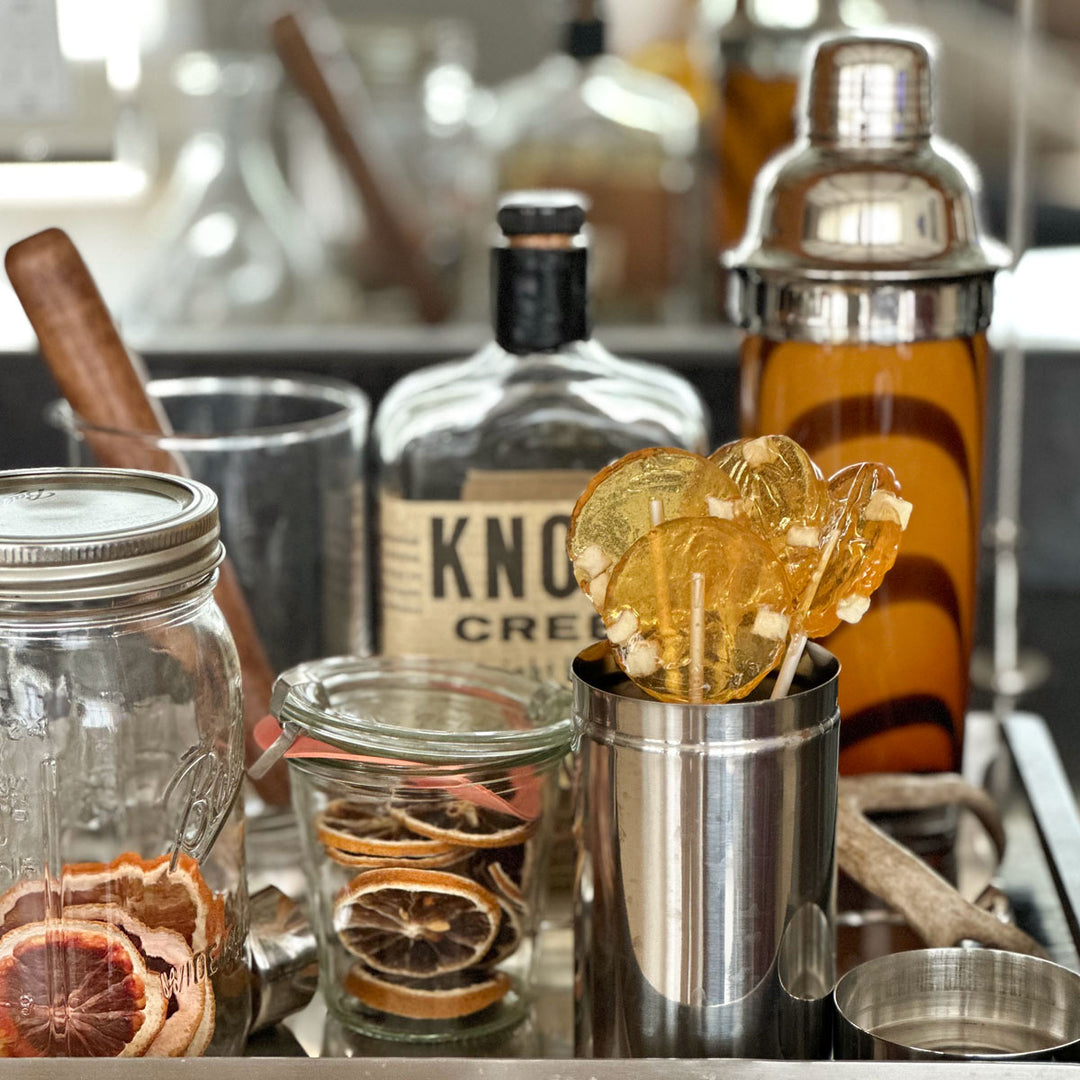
<point>918,406</point>
<point>866,288</point>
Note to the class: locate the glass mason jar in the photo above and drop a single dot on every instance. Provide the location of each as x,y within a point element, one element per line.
<point>425,791</point>
<point>123,906</point>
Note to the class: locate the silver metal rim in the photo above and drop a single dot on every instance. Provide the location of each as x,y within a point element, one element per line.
<point>890,971</point>
<point>785,308</point>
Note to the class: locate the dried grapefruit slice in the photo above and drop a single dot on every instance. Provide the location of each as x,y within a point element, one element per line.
<point>360,829</point>
<point>417,923</point>
<point>23,903</point>
<point>444,998</point>
<point>110,1005</point>
<point>462,822</point>
<point>168,957</point>
<point>179,900</point>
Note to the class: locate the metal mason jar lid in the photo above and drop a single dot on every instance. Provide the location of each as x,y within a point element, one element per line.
<point>77,535</point>
<point>867,228</point>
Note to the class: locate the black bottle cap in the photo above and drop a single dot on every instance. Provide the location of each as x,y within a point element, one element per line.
<point>534,213</point>
<point>539,297</point>
<point>584,39</point>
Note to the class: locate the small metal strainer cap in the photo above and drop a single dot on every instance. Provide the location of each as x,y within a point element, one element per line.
<point>77,535</point>
<point>866,229</point>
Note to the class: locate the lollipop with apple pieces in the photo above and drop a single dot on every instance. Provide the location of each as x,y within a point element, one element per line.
<point>620,503</point>
<point>729,636</point>
<point>868,517</point>
<point>784,497</point>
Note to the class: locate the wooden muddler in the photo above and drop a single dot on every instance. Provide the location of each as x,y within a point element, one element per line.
<point>97,376</point>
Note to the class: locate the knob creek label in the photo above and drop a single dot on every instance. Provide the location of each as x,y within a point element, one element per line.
<point>486,579</point>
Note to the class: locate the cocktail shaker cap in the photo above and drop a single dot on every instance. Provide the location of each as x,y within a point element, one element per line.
<point>866,228</point>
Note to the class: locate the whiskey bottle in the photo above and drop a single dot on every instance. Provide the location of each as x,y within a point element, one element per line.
<point>480,460</point>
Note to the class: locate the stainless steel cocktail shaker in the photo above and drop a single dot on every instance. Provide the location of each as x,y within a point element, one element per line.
<point>704,903</point>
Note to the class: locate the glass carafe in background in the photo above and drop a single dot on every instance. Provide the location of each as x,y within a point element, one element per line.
<point>234,246</point>
<point>123,905</point>
<point>866,286</point>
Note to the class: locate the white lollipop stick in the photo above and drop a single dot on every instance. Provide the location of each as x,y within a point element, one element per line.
<point>696,686</point>
<point>797,642</point>
<point>656,510</point>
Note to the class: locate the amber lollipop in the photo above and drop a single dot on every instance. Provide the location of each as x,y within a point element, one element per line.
<point>866,517</point>
<point>695,610</point>
<point>624,501</point>
<point>784,497</point>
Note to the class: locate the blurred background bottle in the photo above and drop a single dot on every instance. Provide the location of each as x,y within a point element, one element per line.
<point>757,48</point>
<point>410,86</point>
<point>866,285</point>
<point>625,138</point>
<point>480,461</point>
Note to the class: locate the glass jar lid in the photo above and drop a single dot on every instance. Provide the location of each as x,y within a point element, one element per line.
<point>418,711</point>
<point>74,535</point>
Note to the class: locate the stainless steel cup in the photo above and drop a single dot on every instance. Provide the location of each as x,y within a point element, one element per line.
<point>958,1004</point>
<point>704,903</point>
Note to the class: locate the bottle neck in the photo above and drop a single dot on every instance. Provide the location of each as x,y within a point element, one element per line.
<point>583,31</point>
<point>584,39</point>
<point>539,299</point>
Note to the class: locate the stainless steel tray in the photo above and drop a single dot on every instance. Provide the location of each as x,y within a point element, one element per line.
<point>1017,760</point>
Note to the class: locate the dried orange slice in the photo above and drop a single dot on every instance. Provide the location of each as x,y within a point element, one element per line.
<point>465,823</point>
<point>205,1031</point>
<point>110,1005</point>
<point>171,961</point>
<point>417,923</point>
<point>444,998</point>
<point>385,862</point>
<point>508,870</point>
<point>360,829</point>
<point>507,939</point>
<point>179,900</point>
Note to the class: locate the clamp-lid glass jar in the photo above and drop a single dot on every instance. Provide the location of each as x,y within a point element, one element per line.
<point>123,909</point>
<point>425,791</point>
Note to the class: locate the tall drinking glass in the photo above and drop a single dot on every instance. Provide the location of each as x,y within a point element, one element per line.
<point>285,457</point>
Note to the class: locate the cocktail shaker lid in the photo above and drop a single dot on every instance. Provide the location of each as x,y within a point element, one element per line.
<point>866,196</point>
